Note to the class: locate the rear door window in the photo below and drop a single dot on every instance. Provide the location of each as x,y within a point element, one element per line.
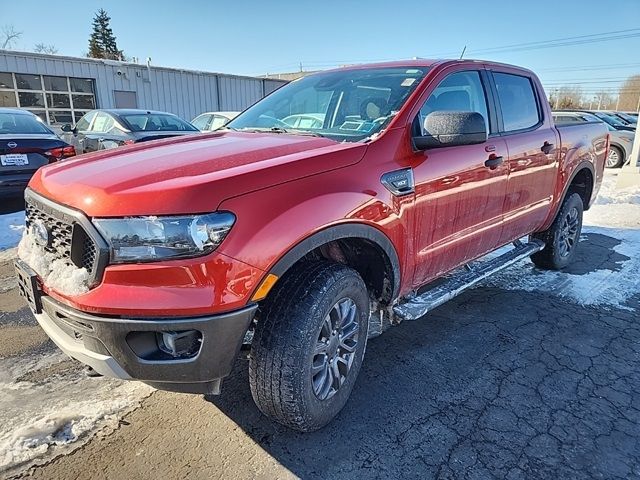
<point>517,100</point>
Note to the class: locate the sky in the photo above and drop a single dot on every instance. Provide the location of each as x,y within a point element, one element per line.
<point>258,37</point>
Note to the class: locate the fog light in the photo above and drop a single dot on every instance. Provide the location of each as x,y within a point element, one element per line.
<point>182,344</point>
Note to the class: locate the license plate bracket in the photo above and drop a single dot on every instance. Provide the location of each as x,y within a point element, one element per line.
<point>28,286</point>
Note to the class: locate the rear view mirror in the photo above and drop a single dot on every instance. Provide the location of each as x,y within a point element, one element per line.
<point>67,128</point>
<point>448,129</point>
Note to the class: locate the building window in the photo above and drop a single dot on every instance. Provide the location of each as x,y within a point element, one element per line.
<point>57,100</point>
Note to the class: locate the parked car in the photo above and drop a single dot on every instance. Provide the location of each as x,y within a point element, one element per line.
<point>612,120</point>
<point>209,121</point>
<point>621,141</point>
<point>305,242</point>
<point>107,129</point>
<point>26,144</point>
<point>623,117</point>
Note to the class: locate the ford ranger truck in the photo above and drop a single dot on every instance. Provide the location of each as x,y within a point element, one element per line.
<point>316,219</point>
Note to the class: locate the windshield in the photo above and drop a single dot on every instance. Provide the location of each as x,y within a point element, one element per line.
<point>609,119</point>
<point>156,122</point>
<point>347,105</point>
<point>21,123</point>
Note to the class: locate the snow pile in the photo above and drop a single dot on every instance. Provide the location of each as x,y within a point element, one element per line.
<point>11,228</point>
<point>615,207</point>
<point>59,274</point>
<point>42,419</point>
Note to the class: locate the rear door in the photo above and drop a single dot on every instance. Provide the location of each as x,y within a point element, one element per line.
<point>458,196</point>
<point>533,145</point>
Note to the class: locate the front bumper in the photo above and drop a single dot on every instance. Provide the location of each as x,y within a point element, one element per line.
<point>124,347</point>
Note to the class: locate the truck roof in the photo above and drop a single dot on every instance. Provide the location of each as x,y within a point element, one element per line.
<point>426,62</point>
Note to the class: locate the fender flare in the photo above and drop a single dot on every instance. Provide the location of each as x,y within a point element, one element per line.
<point>337,232</point>
<point>581,166</point>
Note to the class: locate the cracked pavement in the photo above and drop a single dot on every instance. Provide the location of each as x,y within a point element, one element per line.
<point>494,384</point>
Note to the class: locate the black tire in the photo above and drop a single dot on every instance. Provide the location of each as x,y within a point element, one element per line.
<point>561,239</point>
<point>289,328</point>
<point>615,157</point>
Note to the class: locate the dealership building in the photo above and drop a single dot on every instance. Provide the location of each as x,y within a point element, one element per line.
<point>61,89</point>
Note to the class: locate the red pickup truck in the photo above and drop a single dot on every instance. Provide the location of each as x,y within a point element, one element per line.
<point>317,218</point>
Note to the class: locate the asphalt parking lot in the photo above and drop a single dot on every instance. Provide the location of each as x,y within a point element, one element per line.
<point>498,383</point>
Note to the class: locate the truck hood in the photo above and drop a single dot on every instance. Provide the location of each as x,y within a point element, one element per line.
<point>190,174</point>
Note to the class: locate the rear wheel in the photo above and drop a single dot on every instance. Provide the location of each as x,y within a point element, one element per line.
<point>615,158</point>
<point>309,345</point>
<point>561,239</point>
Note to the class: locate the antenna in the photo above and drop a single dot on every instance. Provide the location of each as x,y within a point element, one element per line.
<point>463,50</point>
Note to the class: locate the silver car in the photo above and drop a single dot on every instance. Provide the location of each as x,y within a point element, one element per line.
<point>621,140</point>
<point>210,121</point>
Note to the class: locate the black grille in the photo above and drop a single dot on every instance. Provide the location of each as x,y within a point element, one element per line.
<point>70,238</point>
<point>89,254</point>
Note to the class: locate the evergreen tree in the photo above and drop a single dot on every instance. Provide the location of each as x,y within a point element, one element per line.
<point>102,42</point>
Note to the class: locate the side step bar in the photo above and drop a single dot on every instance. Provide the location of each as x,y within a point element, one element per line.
<point>419,305</point>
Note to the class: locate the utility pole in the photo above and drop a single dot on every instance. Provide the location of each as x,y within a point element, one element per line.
<point>630,173</point>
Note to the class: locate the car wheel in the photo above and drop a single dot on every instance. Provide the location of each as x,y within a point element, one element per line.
<point>309,344</point>
<point>615,158</point>
<point>561,239</point>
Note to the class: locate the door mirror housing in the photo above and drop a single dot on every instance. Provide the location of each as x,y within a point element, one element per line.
<point>67,128</point>
<point>448,129</point>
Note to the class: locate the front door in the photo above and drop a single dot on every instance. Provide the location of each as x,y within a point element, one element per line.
<point>459,191</point>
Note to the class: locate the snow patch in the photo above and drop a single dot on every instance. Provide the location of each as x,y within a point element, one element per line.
<point>11,228</point>
<point>615,214</point>
<point>600,287</point>
<point>40,420</point>
<point>58,274</point>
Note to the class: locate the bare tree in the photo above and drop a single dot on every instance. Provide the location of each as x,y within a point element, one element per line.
<point>42,48</point>
<point>630,94</point>
<point>603,100</point>
<point>566,97</point>
<point>8,36</point>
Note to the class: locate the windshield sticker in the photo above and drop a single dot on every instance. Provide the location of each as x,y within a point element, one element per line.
<point>408,82</point>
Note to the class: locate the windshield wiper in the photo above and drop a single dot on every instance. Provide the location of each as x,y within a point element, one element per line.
<point>279,130</point>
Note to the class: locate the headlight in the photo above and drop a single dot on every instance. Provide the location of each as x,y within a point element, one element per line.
<point>143,239</point>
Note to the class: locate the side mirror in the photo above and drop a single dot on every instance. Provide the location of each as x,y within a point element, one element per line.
<point>67,128</point>
<point>448,129</point>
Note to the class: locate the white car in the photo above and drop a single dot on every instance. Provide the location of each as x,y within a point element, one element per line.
<point>209,121</point>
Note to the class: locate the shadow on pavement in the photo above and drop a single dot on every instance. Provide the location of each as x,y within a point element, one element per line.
<point>596,252</point>
<point>495,383</point>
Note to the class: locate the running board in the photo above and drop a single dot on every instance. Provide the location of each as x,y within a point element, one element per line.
<point>419,305</point>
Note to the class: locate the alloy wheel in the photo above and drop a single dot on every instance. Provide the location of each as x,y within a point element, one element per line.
<point>335,349</point>
<point>568,236</point>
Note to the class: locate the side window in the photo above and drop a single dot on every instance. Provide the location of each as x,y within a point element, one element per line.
<point>517,101</point>
<point>217,121</point>
<point>201,122</point>
<point>461,91</point>
<point>102,123</point>
<point>84,122</point>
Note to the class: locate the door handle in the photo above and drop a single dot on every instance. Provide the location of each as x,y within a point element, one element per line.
<point>546,148</point>
<point>493,162</point>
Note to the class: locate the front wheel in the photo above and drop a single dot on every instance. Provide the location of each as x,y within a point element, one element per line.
<point>561,239</point>
<point>309,345</point>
